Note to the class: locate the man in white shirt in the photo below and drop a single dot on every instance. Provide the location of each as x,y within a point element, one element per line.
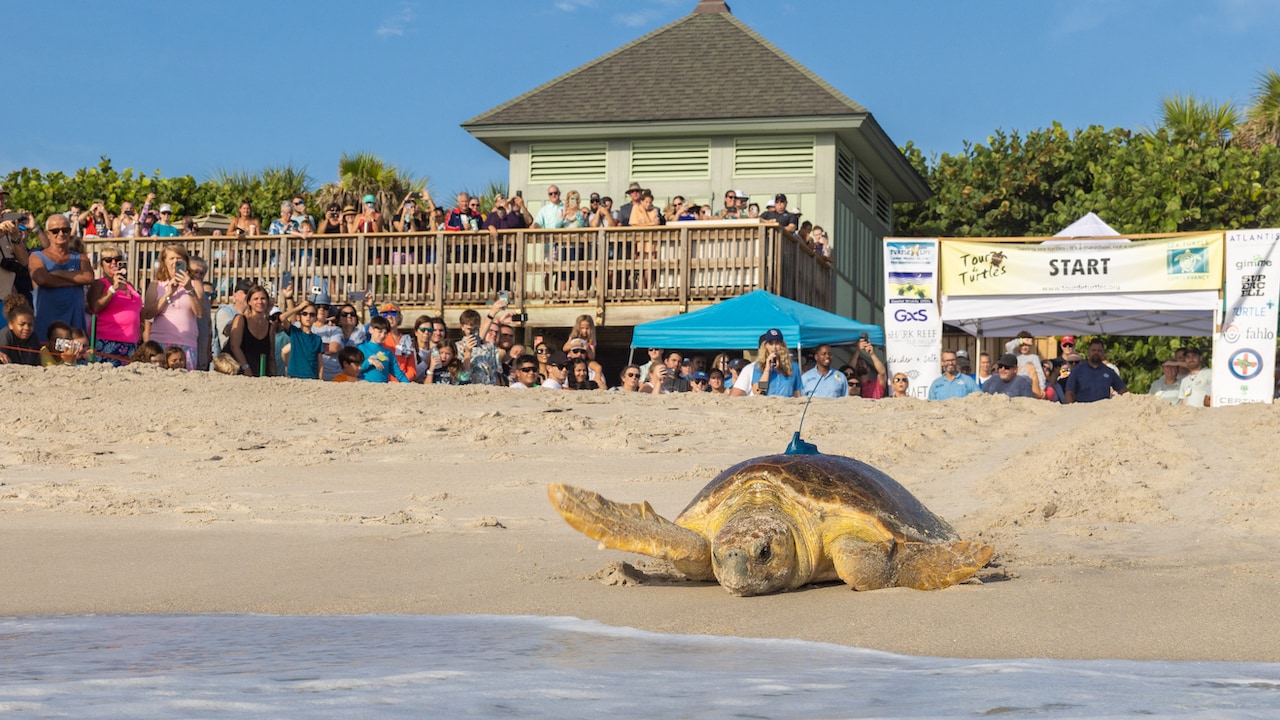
<point>1196,386</point>
<point>551,215</point>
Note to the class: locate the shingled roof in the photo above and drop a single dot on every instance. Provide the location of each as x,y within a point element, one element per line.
<point>640,86</point>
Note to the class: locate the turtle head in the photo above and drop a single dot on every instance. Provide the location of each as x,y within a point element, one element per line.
<point>754,555</point>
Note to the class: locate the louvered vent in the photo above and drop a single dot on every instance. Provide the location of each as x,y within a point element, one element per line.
<point>567,162</point>
<point>773,157</point>
<point>670,159</point>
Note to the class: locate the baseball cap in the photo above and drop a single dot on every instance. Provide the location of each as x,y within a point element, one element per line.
<point>370,198</point>
<point>742,194</point>
<point>594,196</point>
<point>1192,351</point>
<point>1068,339</point>
<point>576,343</point>
<point>387,307</point>
<point>166,208</point>
<point>559,359</point>
<point>772,335</point>
<point>779,198</point>
<point>699,375</point>
<point>962,354</point>
<point>1008,360</point>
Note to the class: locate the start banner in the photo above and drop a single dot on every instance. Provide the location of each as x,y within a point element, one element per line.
<point>1189,262</point>
<point>912,325</point>
<point>1245,346</point>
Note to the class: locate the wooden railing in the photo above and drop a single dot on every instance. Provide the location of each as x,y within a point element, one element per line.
<point>681,264</point>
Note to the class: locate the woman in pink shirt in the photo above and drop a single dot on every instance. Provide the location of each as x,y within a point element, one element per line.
<point>117,308</point>
<point>171,303</point>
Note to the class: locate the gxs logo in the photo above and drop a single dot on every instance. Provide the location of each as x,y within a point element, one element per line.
<point>904,315</point>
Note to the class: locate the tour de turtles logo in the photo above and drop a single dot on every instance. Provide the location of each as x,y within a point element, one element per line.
<point>1245,364</point>
<point>912,253</point>
<point>1188,261</point>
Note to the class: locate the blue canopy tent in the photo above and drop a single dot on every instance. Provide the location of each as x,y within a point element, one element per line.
<point>737,324</point>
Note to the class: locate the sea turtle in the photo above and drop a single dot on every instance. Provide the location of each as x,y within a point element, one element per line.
<point>782,521</point>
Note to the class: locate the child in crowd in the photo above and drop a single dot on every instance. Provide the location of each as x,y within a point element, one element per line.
<point>58,348</point>
<point>149,353</point>
<point>379,364</point>
<point>175,358</point>
<point>80,339</point>
<point>18,343</point>
<point>226,364</point>
<point>349,359</point>
<point>305,347</point>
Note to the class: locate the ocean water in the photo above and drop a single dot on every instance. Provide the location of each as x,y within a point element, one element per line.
<point>247,666</point>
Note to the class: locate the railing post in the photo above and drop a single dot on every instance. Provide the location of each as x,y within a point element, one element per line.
<point>362,261</point>
<point>437,239</point>
<point>602,271</point>
<point>686,273</point>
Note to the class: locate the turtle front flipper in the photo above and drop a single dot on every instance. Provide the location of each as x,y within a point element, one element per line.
<point>925,566</point>
<point>632,528</point>
<point>862,564</point>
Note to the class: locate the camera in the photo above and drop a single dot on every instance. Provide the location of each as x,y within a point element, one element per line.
<point>63,344</point>
<point>864,336</point>
<point>520,317</point>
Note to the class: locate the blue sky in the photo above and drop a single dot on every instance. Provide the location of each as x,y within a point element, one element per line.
<point>194,87</point>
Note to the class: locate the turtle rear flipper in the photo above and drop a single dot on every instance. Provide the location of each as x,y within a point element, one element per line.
<point>634,527</point>
<point>925,566</point>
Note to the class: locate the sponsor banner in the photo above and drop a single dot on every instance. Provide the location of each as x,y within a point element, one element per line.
<point>1192,262</point>
<point>1244,347</point>
<point>912,325</point>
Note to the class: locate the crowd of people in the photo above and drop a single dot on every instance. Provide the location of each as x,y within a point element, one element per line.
<point>417,212</point>
<point>1068,378</point>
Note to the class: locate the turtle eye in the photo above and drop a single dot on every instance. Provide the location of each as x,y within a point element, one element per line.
<point>765,553</point>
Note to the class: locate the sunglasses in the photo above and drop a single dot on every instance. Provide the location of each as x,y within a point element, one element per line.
<point>1066,344</point>
<point>531,368</point>
<point>1005,367</point>
<point>577,352</point>
<point>556,193</point>
<point>423,329</point>
<point>633,375</point>
<point>112,259</point>
<point>390,314</point>
<point>1073,362</point>
<point>543,351</point>
<point>59,231</point>
<point>899,379</point>
<point>298,202</point>
<point>306,314</point>
<point>697,382</point>
<point>347,314</point>
<point>854,383</point>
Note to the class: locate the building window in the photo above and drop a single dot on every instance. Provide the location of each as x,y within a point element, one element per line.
<point>865,192</point>
<point>845,167</point>
<point>568,162</point>
<point>782,156</point>
<point>884,209</point>
<point>670,160</point>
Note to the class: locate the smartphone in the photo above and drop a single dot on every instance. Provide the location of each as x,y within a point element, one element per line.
<point>504,296</point>
<point>286,279</point>
<point>122,266</point>
<point>180,267</point>
<point>357,296</point>
<point>519,193</point>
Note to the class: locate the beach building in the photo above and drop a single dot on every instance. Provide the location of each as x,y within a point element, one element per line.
<point>771,127</point>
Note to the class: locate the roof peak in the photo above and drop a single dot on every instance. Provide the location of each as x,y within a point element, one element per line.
<point>712,6</point>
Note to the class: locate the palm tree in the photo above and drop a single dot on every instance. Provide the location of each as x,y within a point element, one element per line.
<point>1198,122</point>
<point>1263,126</point>
<point>363,174</point>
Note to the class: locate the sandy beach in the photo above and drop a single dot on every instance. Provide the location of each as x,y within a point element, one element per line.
<point>1123,529</point>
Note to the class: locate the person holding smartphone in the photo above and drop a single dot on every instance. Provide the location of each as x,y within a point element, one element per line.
<point>118,306</point>
<point>773,374</point>
<point>173,303</point>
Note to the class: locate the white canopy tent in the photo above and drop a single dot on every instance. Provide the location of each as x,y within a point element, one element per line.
<point>1140,313</point>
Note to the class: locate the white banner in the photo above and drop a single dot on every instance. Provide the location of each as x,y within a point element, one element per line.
<point>1244,348</point>
<point>912,325</point>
